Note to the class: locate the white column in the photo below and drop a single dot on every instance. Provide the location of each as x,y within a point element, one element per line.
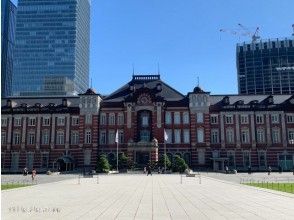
<point>9,132</point>
<point>52,131</point>
<point>238,143</point>
<point>38,132</point>
<point>222,130</point>
<point>252,122</point>
<point>24,133</point>
<point>284,130</point>
<point>268,130</point>
<point>67,131</point>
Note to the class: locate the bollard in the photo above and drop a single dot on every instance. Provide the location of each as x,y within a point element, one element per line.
<point>97,179</point>
<point>181,179</point>
<point>79,181</point>
<point>199,179</point>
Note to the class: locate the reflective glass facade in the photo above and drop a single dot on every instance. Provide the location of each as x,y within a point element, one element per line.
<point>8,15</point>
<point>52,43</point>
<point>266,67</point>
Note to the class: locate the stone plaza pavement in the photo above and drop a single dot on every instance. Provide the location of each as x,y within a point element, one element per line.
<point>145,197</point>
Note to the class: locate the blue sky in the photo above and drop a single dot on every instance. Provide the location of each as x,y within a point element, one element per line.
<point>181,35</point>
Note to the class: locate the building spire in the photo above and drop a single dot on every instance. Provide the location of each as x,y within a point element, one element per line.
<point>133,69</point>
<point>198,84</point>
<point>158,68</point>
<point>91,83</point>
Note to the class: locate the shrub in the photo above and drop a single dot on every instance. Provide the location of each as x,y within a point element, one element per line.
<point>179,164</point>
<point>165,158</point>
<point>122,161</point>
<point>102,164</point>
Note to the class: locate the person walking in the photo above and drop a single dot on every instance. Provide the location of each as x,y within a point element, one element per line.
<point>269,170</point>
<point>227,169</point>
<point>34,173</point>
<point>149,170</point>
<point>25,171</point>
<point>145,170</point>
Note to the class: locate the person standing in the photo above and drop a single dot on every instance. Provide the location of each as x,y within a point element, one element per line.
<point>227,169</point>
<point>269,170</point>
<point>149,170</point>
<point>34,173</point>
<point>145,170</point>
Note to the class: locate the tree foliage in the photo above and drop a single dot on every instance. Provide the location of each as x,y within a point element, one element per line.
<point>179,164</point>
<point>165,158</point>
<point>103,165</point>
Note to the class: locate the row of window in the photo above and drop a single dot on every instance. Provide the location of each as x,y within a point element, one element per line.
<point>60,121</point>
<point>175,136</point>
<point>45,137</point>
<point>110,137</point>
<point>111,119</point>
<point>244,119</point>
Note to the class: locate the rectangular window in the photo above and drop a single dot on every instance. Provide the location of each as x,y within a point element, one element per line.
<point>87,157</point>
<point>201,157</point>
<point>45,160</point>
<point>276,136</point>
<point>14,161</point>
<point>275,119</point>
<point>3,122</point>
<point>214,136</point>
<point>46,121</point>
<point>246,159</point>
<point>111,137</point>
<point>121,137</point>
<point>75,121</point>
<point>103,119</point>
<point>244,119</point>
<point>3,137</point>
<point>200,135</point>
<point>199,118</point>
<point>231,159</point>
<point>31,138</point>
<point>177,134</point>
<point>290,119</point>
<point>88,135</point>
<point>186,136</point>
<point>260,136</point>
<point>32,121</point>
<point>177,118</point>
<point>259,119</point>
<point>75,137</point>
<point>230,136</point>
<point>17,121</point>
<point>111,119</point>
<point>45,137</point>
<point>229,119</point>
<point>186,117</point>
<point>60,138</point>
<point>169,134</point>
<point>168,118</point>
<point>16,138</point>
<point>291,136</point>
<point>88,119</point>
<point>60,121</point>
<point>145,135</point>
<point>102,137</point>
<point>120,119</point>
<point>245,136</point>
<point>30,160</point>
<point>213,119</point>
<point>262,159</point>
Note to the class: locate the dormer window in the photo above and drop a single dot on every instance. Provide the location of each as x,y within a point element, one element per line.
<point>159,87</point>
<point>226,100</point>
<point>64,102</point>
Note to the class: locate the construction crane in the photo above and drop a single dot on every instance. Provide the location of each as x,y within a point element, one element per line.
<point>254,36</point>
<point>244,31</point>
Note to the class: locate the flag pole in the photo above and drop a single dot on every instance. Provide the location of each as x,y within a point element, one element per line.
<point>164,157</point>
<point>116,140</point>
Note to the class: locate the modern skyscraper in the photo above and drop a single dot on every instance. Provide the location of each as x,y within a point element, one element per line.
<point>8,15</point>
<point>266,67</point>
<point>52,47</point>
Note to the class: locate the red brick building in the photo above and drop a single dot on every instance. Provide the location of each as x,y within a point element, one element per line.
<point>208,131</point>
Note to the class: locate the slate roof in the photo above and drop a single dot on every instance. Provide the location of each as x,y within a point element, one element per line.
<point>145,81</point>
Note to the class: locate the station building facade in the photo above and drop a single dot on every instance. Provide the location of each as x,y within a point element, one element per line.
<point>150,118</point>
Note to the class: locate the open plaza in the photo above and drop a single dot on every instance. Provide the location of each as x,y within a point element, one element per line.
<point>137,196</point>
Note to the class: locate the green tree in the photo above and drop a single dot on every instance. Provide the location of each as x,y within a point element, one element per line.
<point>102,164</point>
<point>165,158</point>
<point>122,161</point>
<point>179,164</point>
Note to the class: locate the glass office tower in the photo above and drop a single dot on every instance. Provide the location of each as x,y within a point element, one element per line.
<point>266,67</point>
<point>8,15</point>
<point>52,47</point>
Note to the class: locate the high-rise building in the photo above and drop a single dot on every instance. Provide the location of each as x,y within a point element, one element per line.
<point>8,15</point>
<point>52,41</point>
<point>266,66</point>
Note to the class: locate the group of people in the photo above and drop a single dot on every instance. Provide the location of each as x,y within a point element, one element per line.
<point>26,172</point>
